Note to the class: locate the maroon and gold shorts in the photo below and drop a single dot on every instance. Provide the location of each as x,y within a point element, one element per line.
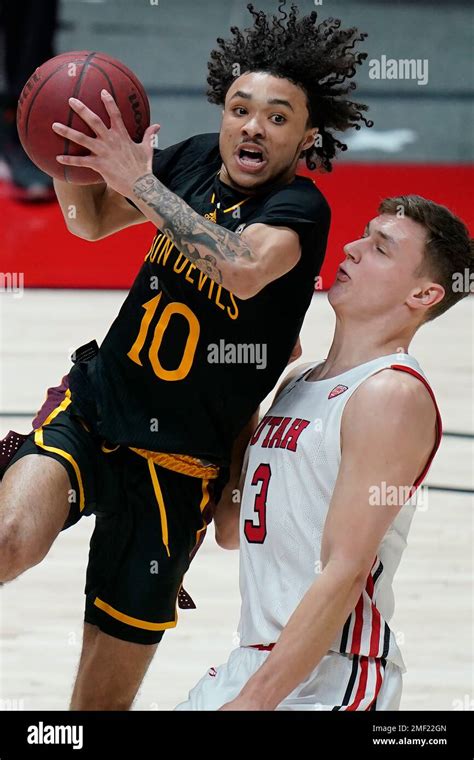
<point>151,511</point>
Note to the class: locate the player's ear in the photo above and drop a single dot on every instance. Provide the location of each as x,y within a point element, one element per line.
<point>429,295</point>
<point>310,139</point>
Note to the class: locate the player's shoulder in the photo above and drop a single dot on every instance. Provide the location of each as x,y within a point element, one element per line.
<point>392,392</point>
<point>303,193</point>
<point>307,186</point>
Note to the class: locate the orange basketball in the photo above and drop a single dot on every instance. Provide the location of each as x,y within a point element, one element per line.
<point>44,100</point>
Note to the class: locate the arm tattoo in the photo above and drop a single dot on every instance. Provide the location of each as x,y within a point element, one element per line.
<point>201,241</point>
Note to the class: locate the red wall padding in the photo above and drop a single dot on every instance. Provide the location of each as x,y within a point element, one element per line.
<point>35,241</point>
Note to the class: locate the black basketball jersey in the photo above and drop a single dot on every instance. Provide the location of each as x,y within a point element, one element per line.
<point>186,362</point>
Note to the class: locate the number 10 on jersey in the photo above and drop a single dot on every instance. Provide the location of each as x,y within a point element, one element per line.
<point>189,349</point>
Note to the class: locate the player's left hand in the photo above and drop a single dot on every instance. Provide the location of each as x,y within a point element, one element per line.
<point>113,154</point>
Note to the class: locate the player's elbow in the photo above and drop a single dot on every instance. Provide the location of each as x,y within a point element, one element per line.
<point>85,233</point>
<point>227,533</point>
<point>246,293</point>
<point>227,539</point>
<point>351,574</point>
<point>247,282</point>
<point>228,542</point>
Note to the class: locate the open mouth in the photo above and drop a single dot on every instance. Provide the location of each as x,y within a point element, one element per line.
<point>250,158</point>
<point>342,274</point>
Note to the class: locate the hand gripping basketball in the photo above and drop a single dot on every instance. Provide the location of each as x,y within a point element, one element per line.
<point>113,154</point>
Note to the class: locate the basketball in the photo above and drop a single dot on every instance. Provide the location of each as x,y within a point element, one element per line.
<point>44,100</point>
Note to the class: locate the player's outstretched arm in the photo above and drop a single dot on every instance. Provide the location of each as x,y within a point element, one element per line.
<point>394,416</point>
<point>243,264</point>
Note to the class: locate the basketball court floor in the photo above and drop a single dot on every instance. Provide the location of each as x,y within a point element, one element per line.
<point>41,612</point>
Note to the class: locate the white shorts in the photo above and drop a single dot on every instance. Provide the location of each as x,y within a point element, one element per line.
<point>339,682</point>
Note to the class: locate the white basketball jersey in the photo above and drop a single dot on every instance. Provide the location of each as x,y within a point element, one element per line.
<point>293,462</point>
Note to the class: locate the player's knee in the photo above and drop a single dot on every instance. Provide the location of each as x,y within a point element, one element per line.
<point>10,550</point>
<point>97,701</point>
<point>15,555</point>
<point>112,704</point>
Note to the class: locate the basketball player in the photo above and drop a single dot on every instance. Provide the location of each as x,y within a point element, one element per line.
<point>320,540</point>
<point>142,429</point>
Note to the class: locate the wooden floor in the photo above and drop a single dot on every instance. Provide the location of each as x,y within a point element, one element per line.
<point>41,612</point>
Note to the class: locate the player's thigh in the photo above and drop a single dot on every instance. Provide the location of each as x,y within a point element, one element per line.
<point>33,504</point>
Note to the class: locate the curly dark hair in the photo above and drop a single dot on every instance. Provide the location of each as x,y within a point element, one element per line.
<point>319,58</point>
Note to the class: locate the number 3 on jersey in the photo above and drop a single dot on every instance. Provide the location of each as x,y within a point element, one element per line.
<point>255,533</point>
<point>180,372</point>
